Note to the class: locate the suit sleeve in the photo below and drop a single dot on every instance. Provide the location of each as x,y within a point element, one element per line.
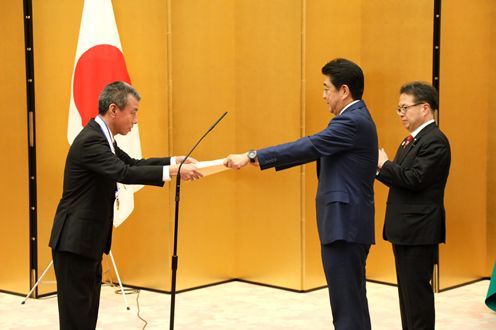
<point>95,155</point>
<point>431,160</point>
<point>122,155</point>
<point>337,137</point>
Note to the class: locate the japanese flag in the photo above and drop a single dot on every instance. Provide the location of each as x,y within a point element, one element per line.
<point>99,61</point>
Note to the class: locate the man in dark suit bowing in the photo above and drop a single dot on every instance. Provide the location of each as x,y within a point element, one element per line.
<point>82,229</point>
<point>415,216</point>
<point>346,161</point>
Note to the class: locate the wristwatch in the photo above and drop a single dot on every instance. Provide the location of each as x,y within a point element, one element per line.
<point>252,156</point>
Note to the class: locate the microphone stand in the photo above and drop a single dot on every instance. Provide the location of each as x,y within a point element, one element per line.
<point>176,223</point>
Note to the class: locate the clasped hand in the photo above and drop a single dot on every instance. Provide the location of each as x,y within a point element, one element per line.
<point>189,171</point>
<point>382,158</point>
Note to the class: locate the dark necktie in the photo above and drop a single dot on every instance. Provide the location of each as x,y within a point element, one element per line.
<point>407,141</point>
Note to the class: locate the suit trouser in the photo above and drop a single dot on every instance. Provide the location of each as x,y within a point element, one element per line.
<point>78,290</point>
<point>414,267</point>
<point>344,267</point>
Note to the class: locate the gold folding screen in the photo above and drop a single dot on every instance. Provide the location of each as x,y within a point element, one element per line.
<point>467,75</point>
<point>491,155</point>
<point>397,50</point>
<point>55,48</point>
<point>259,60</point>
<point>268,112</point>
<point>203,87</point>
<point>14,196</point>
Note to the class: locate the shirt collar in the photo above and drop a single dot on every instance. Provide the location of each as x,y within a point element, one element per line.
<point>415,132</point>
<point>348,105</point>
<point>106,132</point>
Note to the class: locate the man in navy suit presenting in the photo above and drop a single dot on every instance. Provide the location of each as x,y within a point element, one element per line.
<point>346,155</point>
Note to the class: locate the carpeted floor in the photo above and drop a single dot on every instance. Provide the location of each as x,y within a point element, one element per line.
<point>240,306</point>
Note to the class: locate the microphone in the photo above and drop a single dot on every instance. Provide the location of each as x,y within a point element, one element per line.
<point>176,225</point>
<point>200,140</point>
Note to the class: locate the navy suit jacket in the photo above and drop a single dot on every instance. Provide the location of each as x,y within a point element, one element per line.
<point>346,153</point>
<point>83,221</point>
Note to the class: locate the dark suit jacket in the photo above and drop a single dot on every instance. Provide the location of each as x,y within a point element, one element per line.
<point>83,221</point>
<point>346,152</point>
<point>416,179</point>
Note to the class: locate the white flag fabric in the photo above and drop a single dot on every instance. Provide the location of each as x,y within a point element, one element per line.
<point>100,61</point>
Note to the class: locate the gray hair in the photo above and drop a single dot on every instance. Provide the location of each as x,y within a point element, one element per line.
<point>116,93</point>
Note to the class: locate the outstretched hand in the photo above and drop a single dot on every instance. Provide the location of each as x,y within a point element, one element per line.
<point>237,161</point>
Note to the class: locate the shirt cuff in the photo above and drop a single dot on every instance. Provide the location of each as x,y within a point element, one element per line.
<point>165,174</point>
<point>166,171</point>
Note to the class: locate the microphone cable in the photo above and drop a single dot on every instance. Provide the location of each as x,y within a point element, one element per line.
<point>133,291</point>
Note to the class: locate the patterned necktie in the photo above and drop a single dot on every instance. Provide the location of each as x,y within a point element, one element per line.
<point>407,141</point>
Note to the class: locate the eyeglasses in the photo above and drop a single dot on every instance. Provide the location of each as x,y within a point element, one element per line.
<point>404,108</point>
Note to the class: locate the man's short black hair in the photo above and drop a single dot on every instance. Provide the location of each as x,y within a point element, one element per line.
<point>344,72</point>
<point>421,92</point>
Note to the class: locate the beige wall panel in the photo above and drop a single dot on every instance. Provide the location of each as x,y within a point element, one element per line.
<point>53,71</point>
<point>14,198</point>
<point>328,34</point>
<point>203,82</point>
<point>491,148</point>
<point>396,48</point>
<point>465,59</point>
<point>268,85</point>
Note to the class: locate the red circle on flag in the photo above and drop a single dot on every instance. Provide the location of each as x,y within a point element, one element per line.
<point>97,67</point>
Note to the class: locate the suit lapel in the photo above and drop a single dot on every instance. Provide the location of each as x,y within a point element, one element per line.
<point>398,155</point>
<point>403,152</point>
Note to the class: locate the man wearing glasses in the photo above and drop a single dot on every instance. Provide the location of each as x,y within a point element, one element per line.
<point>415,215</point>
